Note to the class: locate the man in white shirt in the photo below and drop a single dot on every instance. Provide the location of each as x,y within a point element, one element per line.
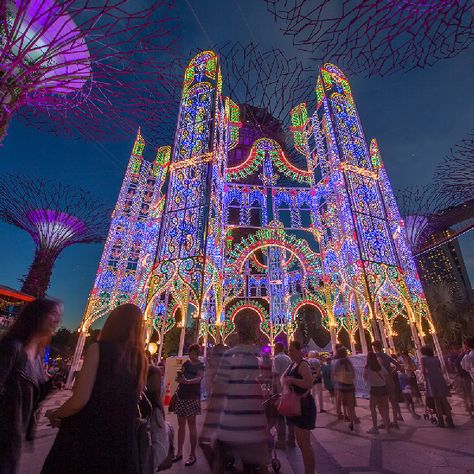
<point>281,362</point>
<point>467,362</point>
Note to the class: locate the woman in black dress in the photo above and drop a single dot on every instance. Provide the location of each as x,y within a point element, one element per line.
<point>299,377</point>
<point>23,382</point>
<point>97,424</point>
<point>188,403</point>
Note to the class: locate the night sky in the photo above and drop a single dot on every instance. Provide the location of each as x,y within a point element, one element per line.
<point>416,117</point>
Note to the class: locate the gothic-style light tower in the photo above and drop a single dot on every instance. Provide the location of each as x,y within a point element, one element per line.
<point>196,164</point>
<point>127,259</point>
<point>56,216</point>
<point>361,225</point>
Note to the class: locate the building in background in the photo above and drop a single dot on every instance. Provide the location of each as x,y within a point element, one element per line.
<point>11,302</point>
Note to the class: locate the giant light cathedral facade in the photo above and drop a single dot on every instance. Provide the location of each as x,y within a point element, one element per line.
<point>223,221</point>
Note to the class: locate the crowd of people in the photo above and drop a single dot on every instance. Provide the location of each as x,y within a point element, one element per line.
<point>248,393</point>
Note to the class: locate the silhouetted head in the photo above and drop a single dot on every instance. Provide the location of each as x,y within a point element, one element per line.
<point>38,319</point>
<point>372,362</point>
<point>247,324</point>
<point>125,326</point>
<point>427,351</point>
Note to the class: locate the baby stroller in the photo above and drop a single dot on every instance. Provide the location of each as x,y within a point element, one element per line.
<point>430,411</point>
<point>271,411</point>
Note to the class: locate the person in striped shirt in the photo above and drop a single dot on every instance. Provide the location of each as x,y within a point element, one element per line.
<point>236,415</point>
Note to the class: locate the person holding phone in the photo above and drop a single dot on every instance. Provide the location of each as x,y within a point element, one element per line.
<point>188,402</point>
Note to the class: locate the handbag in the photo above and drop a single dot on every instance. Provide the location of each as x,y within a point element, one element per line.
<point>290,403</point>
<point>172,404</point>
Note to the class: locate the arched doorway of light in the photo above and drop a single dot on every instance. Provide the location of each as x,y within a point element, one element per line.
<point>310,324</point>
<point>262,339</point>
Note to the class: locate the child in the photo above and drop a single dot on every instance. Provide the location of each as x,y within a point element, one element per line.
<point>405,385</point>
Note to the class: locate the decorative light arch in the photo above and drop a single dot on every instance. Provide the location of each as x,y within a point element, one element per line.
<point>278,157</point>
<point>277,237</point>
<point>310,300</point>
<point>242,305</point>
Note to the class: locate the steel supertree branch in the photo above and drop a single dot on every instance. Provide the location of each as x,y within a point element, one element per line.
<point>424,210</point>
<point>455,174</point>
<point>76,65</point>
<point>266,79</point>
<point>56,216</point>
<point>377,38</point>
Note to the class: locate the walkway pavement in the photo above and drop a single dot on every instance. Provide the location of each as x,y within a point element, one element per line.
<point>418,448</point>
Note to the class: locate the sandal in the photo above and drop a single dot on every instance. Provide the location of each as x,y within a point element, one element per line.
<point>191,460</point>
<point>177,458</point>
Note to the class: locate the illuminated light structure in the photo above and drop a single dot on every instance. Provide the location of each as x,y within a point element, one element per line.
<point>366,239</point>
<point>128,255</point>
<point>244,226</point>
<point>56,216</point>
<point>374,37</point>
<point>66,65</point>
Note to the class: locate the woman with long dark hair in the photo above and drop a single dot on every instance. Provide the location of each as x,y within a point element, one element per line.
<point>97,424</point>
<point>376,377</point>
<point>23,382</point>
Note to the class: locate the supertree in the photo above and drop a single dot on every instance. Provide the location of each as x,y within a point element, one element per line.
<point>428,213</point>
<point>56,216</point>
<point>375,37</point>
<point>455,174</point>
<point>269,80</point>
<point>79,66</point>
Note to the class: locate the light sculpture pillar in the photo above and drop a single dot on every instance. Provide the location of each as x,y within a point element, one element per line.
<point>362,227</point>
<point>183,253</point>
<point>127,258</point>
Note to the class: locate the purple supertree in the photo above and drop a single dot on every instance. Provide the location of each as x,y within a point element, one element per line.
<point>377,37</point>
<point>79,66</point>
<point>430,216</point>
<point>455,174</point>
<point>56,216</point>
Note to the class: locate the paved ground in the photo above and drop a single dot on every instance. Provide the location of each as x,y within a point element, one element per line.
<point>418,448</point>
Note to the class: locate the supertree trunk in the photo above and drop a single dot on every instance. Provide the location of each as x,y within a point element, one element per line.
<point>37,281</point>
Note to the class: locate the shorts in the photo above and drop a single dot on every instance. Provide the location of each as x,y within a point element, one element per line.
<point>347,397</point>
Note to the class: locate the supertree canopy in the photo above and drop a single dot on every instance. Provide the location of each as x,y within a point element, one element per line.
<point>455,174</point>
<point>432,217</point>
<point>56,216</point>
<point>66,65</point>
<point>377,37</point>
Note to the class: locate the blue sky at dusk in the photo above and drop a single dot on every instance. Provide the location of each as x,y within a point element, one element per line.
<point>416,117</point>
